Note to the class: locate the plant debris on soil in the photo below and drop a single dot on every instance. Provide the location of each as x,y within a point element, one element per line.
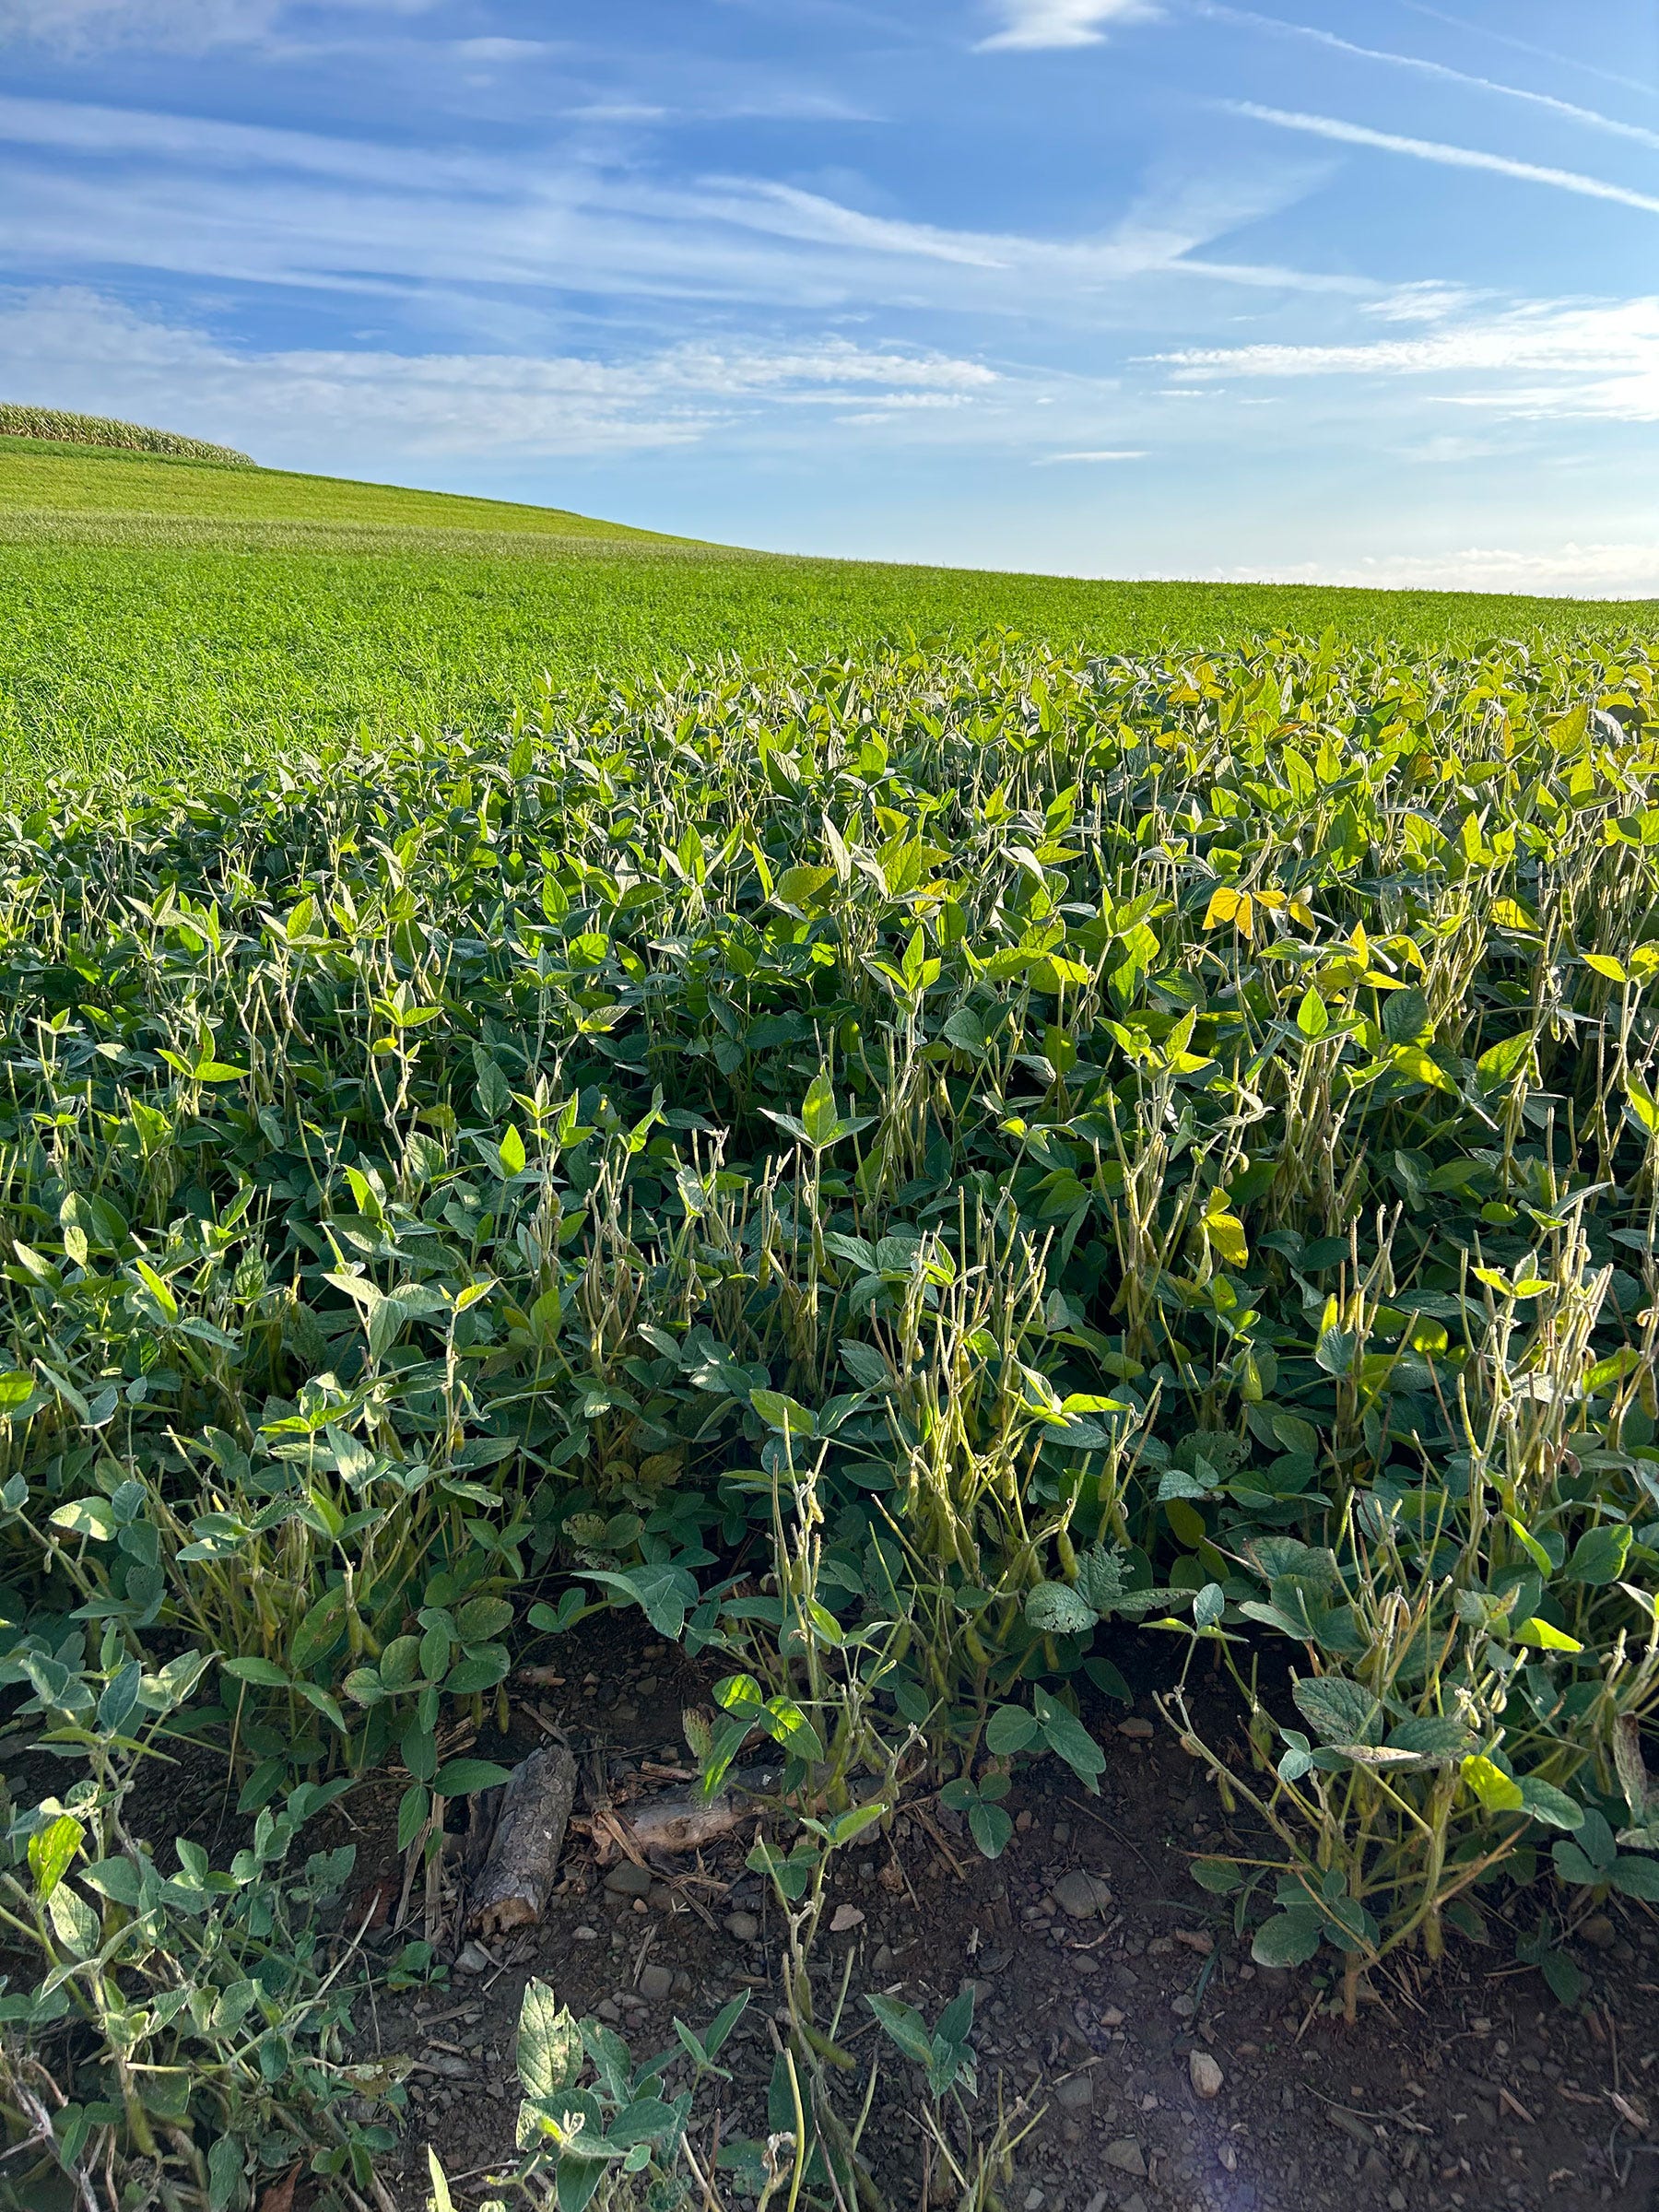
<point>1107,1989</point>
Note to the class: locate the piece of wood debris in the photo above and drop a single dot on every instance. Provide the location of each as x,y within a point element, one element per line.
<point>678,1820</point>
<point>518,1872</point>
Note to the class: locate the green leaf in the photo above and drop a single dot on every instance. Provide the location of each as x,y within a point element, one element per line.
<point>264,1672</point>
<point>86,1517</point>
<point>1599,1554</point>
<point>1287,1939</point>
<point>1056,1610</point>
<point>550,2043</point>
<point>1546,1803</point>
<point>990,1826</point>
<point>413,1807</point>
<point>1065,1736</point>
<point>662,1592</point>
<point>481,1618</point>
<point>78,1927</point>
<point>320,1632</point>
<point>1432,1735</point>
<point>905,2025</point>
<point>117,1878</point>
<point>1338,1710</point>
<point>1637,1878</point>
<point>1573,1866</point>
<point>51,1850</point>
<point>1220,1876</point>
<point>1010,1729</point>
<point>225,2163</point>
<point>785,1414</point>
<point>466,1777</point>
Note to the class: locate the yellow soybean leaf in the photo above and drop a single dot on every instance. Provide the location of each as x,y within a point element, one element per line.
<point>1498,1791</point>
<point>1226,1234</point>
<point>1509,913</point>
<point>1223,906</point>
<point>1605,964</point>
<point>1545,1637</point>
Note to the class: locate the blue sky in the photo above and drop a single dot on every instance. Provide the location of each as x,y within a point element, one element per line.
<point>1365,290</point>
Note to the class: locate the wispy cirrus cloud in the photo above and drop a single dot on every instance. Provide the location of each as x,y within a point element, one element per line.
<point>1568,110</point>
<point>1448,156</point>
<point>1035,24</point>
<point>1575,359</point>
<point>208,199</point>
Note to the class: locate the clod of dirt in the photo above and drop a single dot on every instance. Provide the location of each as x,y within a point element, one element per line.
<point>742,1926</point>
<point>1205,2075</point>
<point>1082,1894</point>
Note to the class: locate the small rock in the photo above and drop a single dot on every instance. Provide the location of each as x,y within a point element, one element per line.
<point>1227,2157</point>
<point>1136,2203</point>
<point>655,1983</point>
<point>1075,2094</point>
<point>1351,2126</point>
<point>883,1961</point>
<point>1196,1940</point>
<point>1082,1895</point>
<point>1135,1727</point>
<point>625,1879</point>
<point>1033,2198</point>
<point>608,2010</point>
<point>474,1960</point>
<point>1205,2075</point>
<point>1184,2005</point>
<point>585,1935</point>
<point>1396,2200</point>
<point>1098,2202</point>
<point>846,1917</point>
<point>1599,1932</point>
<point>1125,2155</point>
<point>744,1926</point>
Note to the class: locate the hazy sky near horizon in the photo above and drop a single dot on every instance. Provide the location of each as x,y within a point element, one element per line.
<point>1356,290</point>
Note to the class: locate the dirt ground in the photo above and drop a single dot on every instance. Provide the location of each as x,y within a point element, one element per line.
<point>1474,2090</point>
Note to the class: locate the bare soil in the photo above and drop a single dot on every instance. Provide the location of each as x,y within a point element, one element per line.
<point>1469,2088</point>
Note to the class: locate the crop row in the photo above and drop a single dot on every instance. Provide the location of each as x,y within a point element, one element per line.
<point>894,1167</point>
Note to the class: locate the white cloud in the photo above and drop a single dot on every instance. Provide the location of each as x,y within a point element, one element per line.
<point>1055,460</point>
<point>1429,300</point>
<point>1596,360</point>
<point>71,348</point>
<point>1592,570</point>
<point>1044,23</point>
<point>169,26</point>
<point>1448,156</point>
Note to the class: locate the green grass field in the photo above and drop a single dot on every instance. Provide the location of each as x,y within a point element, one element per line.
<point>163,611</point>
